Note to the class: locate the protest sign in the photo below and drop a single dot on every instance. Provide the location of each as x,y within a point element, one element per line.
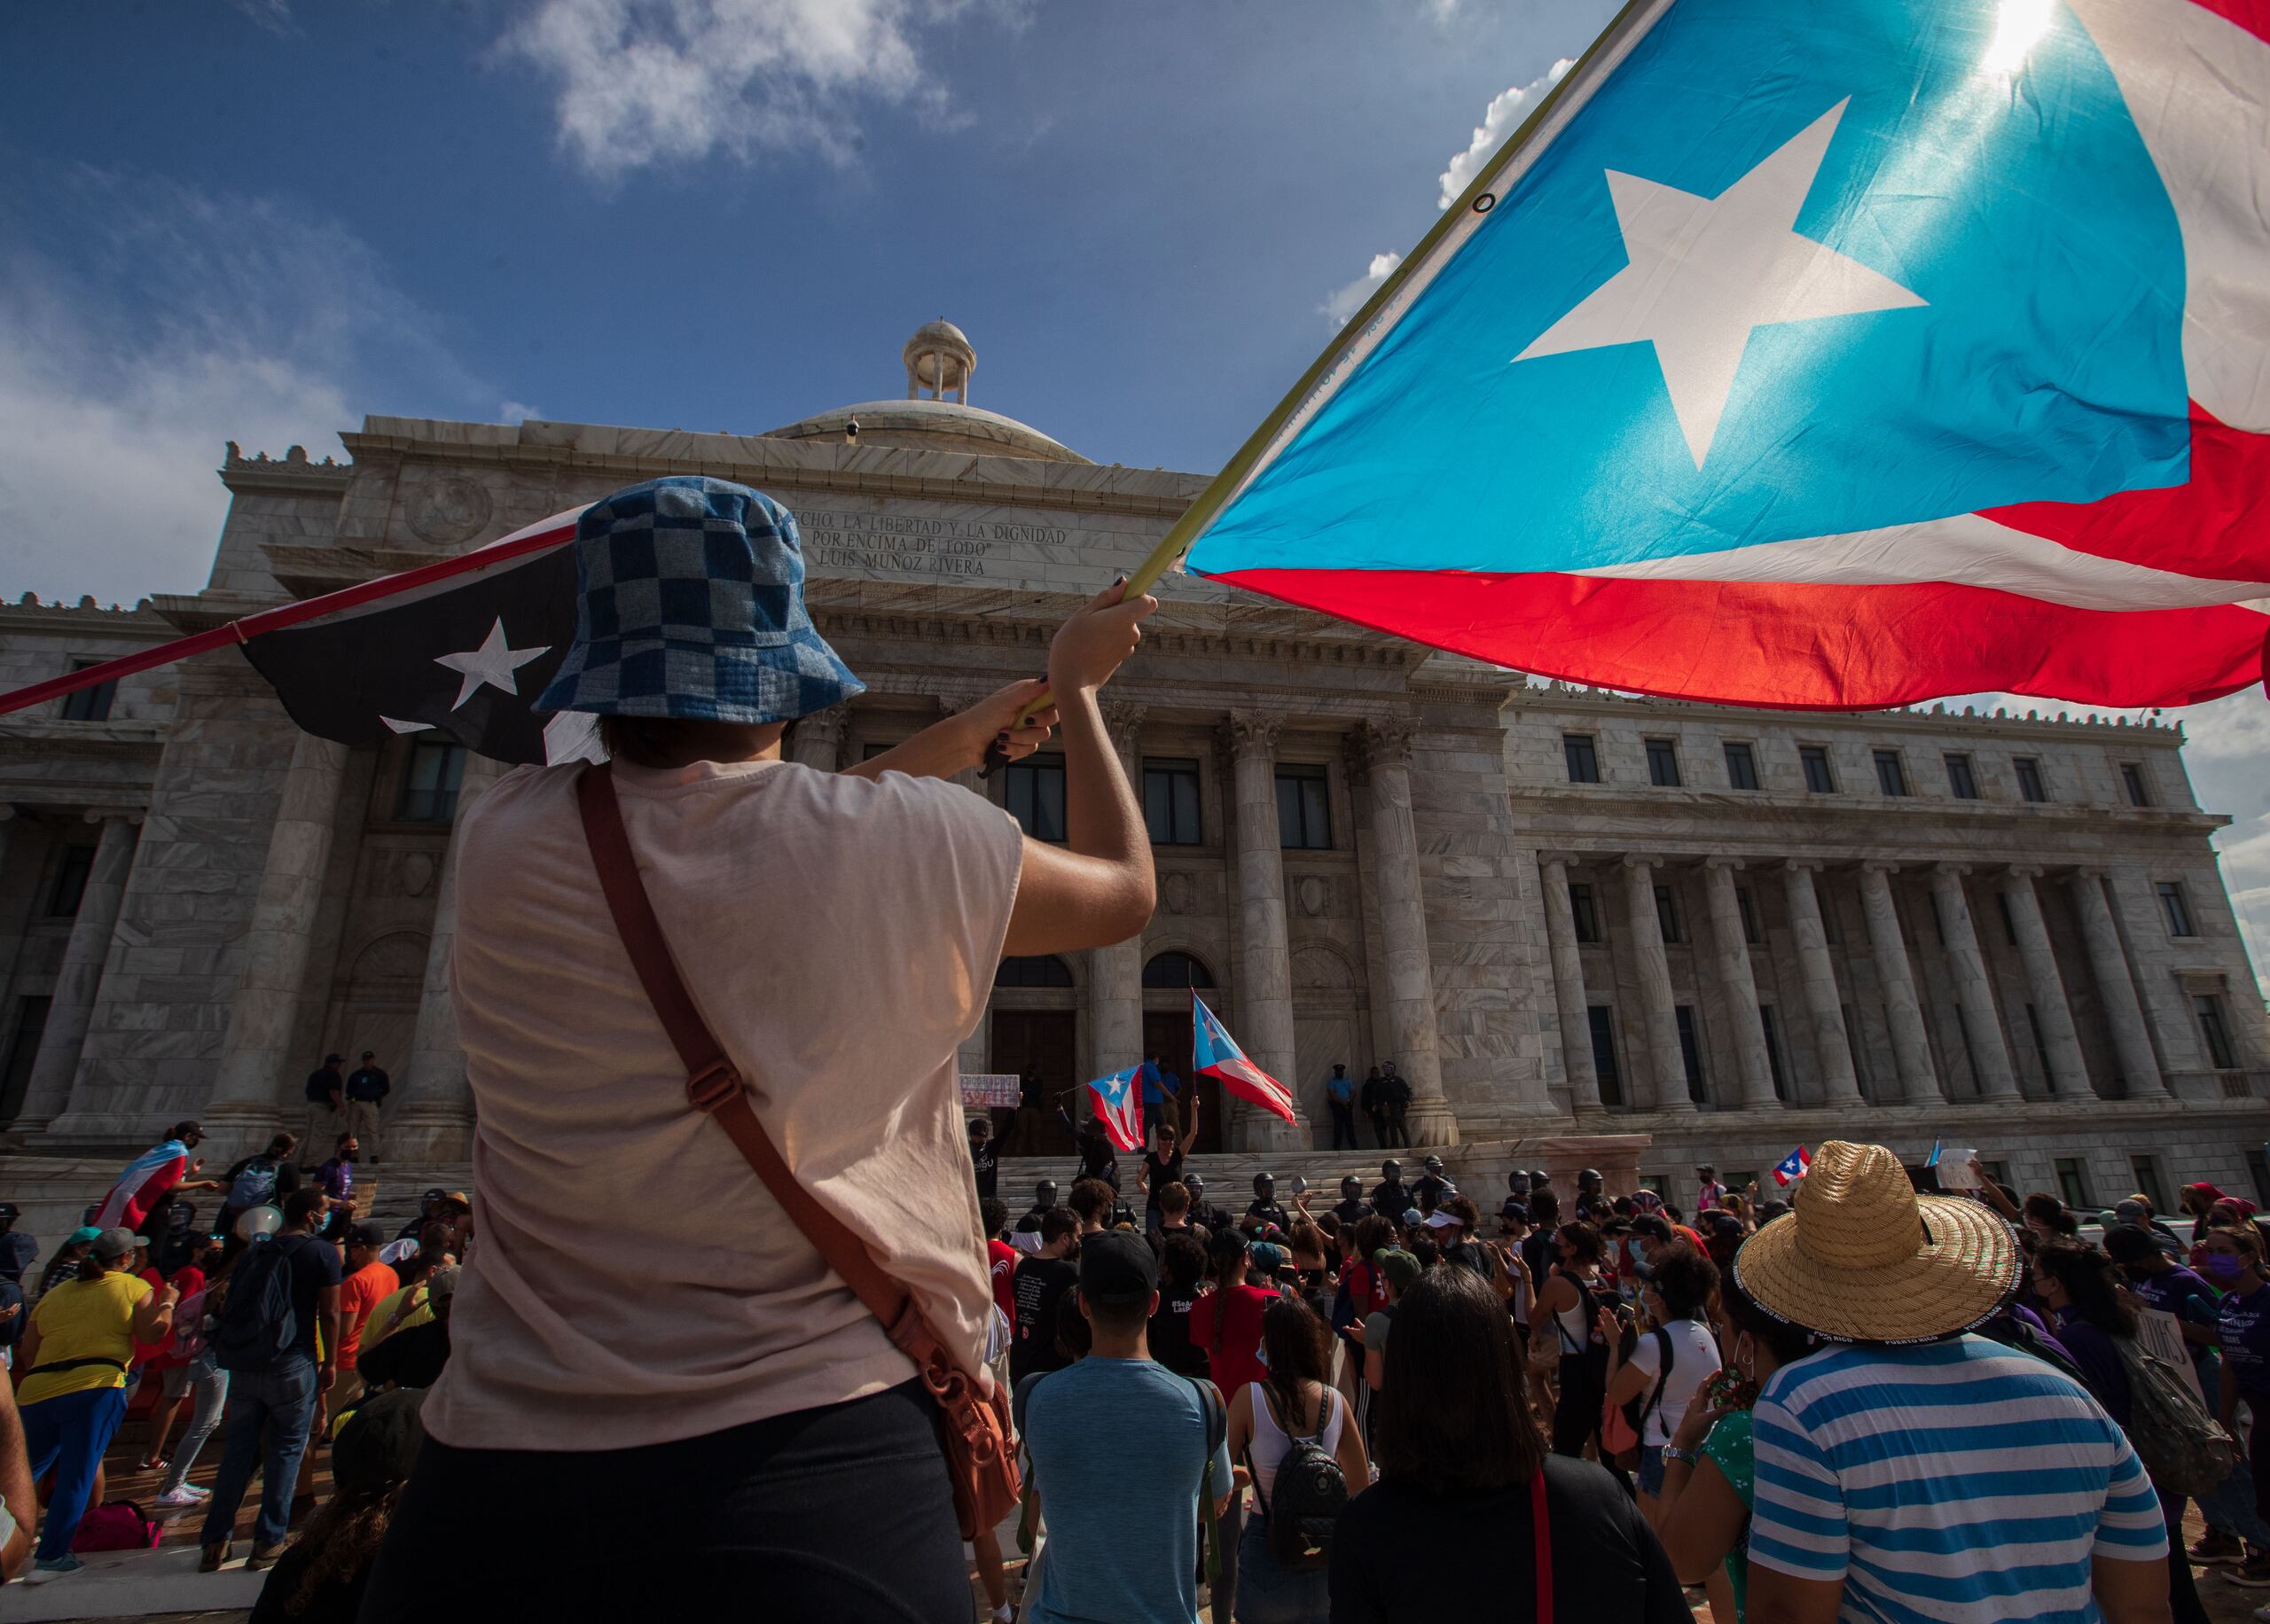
<point>2162,1337</point>
<point>989,1091</point>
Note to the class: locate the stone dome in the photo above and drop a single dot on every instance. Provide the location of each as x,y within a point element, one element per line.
<point>939,359</point>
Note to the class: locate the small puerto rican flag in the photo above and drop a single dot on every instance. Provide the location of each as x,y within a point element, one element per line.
<point>1792,1166</point>
<point>1216,1055</point>
<point>1119,1105</point>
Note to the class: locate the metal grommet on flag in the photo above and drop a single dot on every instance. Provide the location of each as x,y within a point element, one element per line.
<point>1487,201</point>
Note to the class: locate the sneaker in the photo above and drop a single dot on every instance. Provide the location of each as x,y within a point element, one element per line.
<point>202,1493</point>
<point>210,1559</point>
<point>2218,1547</point>
<point>263,1556</point>
<point>2254,1572</point>
<point>2262,1614</point>
<point>53,1567</point>
<point>180,1499</point>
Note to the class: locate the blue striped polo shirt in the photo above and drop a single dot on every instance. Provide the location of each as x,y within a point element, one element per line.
<point>1955,1480</point>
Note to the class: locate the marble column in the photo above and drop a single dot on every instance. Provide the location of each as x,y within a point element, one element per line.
<point>1753,1068</point>
<point>1569,999</point>
<point>1911,1045</point>
<point>47,1093</point>
<point>258,1085</point>
<point>2069,1072</point>
<point>433,1120</point>
<point>1412,1039</point>
<point>1974,992</point>
<point>1115,972</point>
<point>1658,1017</point>
<point>1824,1003</point>
<point>2132,1040</point>
<point>819,739</point>
<point>1264,1006</point>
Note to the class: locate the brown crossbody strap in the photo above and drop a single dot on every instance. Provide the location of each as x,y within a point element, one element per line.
<point>714,1084</point>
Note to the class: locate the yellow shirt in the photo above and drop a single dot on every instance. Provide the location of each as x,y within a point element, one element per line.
<point>380,1324</point>
<point>85,1319</point>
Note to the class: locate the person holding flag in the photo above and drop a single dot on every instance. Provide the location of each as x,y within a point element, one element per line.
<point>1216,1055</point>
<point>1118,1101</point>
<point>150,1175</point>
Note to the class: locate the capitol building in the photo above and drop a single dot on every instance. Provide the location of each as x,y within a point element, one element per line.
<point>1584,926</point>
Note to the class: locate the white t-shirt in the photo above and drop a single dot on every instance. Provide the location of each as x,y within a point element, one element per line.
<point>635,1281</point>
<point>1695,1359</point>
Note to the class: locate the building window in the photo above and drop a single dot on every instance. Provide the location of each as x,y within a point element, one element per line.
<point>2177,906</point>
<point>2209,1007</point>
<point>2132,780</point>
<point>1611,1080</point>
<point>2030,783</point>
<point>874,747</point>
<point>1772,1052</point>
<point>1891,778</point>
<point>2146,1173</point>
<point>23,1049</point>
<point>1663,763</point>
<point>1749,911</point>
<point>1582,756</point>
<point>1819,779</point>
<point>2072,1182</point>
<point>2010,920</point>
<point>1303,809</point>
<point>1177,972</point>
<point>2040,1048</point>
<point>429,782</point>
<point>1962,784</point>
<point>1586,912</point>
<point>1690,1053</point>
<point>1667,914</point>
<point>1741,767</point>
<point>90,704</point>
<point>1999,1171</point>
<point>1033,791</point>
<point>1170,802</point>
<point>1045,970</point>
<point>71,871</point>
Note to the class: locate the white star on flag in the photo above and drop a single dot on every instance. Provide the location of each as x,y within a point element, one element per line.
<point>491,664</point>
<point>1706,272</point>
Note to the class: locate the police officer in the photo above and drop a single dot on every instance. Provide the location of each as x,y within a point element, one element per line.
<point>1389,1198</point>
<point>1351,1206</point>
<point>1433,1187</point>
<point>1263,1208</point>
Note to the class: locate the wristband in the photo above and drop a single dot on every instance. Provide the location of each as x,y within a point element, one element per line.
<point>1673,1452</point>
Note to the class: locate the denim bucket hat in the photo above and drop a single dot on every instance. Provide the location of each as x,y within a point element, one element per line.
<point>691,604</point>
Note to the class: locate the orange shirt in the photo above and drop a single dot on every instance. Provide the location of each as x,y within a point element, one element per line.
<point>359,1294</point>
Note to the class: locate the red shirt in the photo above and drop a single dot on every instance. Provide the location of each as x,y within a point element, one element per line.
<point>1366,1291</point>
<point>1235,1352</point>
<point>190,1279</point>
<point>1001,1258</point>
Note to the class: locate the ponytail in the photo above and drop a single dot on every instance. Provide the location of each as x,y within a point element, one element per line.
<point>90,1267</point>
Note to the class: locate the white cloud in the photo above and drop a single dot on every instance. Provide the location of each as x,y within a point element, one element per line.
<point>184,318</point>
<point>652,81</point>
<point>1344,303</point>
<point>513,411</point>
<point>1503,116</point>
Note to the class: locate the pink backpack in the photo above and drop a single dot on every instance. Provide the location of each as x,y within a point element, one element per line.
<point>117,1524</point>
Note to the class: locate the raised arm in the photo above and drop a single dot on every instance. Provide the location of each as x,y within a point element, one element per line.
<point>959,743</point>
<point>1098,887</point>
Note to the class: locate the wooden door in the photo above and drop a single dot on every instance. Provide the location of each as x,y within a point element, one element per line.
<point>1167,1033</point>
<point>1046,1040</point>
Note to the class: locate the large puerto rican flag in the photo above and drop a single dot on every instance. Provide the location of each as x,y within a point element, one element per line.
<point>1119,1107</point>
<point>1818,356</point>
<point>1216,1054</point>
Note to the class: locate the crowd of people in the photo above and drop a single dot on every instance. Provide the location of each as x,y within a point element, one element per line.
<point>288,1318</point>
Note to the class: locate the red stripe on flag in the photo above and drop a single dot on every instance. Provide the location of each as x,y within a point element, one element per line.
<point>2215,526</point>
<point>1801,647</point>
<point>2251,15</point>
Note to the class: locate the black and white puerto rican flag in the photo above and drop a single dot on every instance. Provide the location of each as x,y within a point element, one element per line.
<point>462,657</point>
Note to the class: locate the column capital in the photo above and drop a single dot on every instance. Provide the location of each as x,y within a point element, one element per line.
<point>2027,871</point>
<point>1951,870</point>
<point>114,815</point>
<point>826,726</point>
<point>1252,733</point>
<point>1554,860</point>
<point>1803,865</point>
<point>1719,860</point>
<point>1879,865</point>
<point>1639,863</point>
<point>2090,872</point>
<point>1122,719</point>
<point>1380,741</point>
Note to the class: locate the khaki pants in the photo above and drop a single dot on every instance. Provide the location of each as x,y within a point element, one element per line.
<point>363,1122</point>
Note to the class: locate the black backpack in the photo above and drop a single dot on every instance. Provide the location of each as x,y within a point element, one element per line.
<point>258,1324</point>
<point>1312,1490</point>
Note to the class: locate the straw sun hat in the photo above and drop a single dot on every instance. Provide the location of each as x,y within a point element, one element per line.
<point>1862,1258</point>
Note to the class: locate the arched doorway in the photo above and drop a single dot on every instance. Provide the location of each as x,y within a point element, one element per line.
<point>1169,980</point>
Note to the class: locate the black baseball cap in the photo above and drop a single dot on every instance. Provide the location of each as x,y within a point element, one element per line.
<point>367,1235</point>
<point>333,1060</point>
<point>1118,1267</point>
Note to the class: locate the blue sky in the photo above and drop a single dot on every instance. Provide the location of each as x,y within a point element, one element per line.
<point>260,220</point>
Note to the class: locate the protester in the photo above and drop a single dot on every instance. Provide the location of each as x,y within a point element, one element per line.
<point>277,1337</point>
<point>984,1156</point>
<point>2048,1218</point>
<point>436,1206</point>
<point>1294,1402</point>
<point>1162,1167</point>
<point>1091,1202</point>
<point>1857,1472</point>
<point>1122,1543</point>
<point>205,1381</point>
<point>1709,1193</point>
<point>1568,1313</point>
<point>1669,1363</point>
<point>1098,1159</point>
<point>18,1498</point>
<point>1039,1284</point>
<point>258,1181</point>
<point>1450,1529</point>
<point>17,1249</point>
<point>169,1359</point>
<point>73,1395</point>
<point>367,1284</point>
<point>1340,1096</point>
<point>416,1355</point>
<point>321,1579</point>
<point>67,1257</point>
<point>165,1166</point>
<point>2233,1259</point>
<point>1398,1270</point>
<point>1182,1284</point>
<point>1175,1216</point>
<point>1161,1091</point>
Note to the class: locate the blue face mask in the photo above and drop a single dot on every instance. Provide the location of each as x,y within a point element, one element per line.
<point>2224,1265</point>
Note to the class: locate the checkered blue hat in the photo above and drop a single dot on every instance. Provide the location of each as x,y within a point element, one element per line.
<point>691,602</point>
